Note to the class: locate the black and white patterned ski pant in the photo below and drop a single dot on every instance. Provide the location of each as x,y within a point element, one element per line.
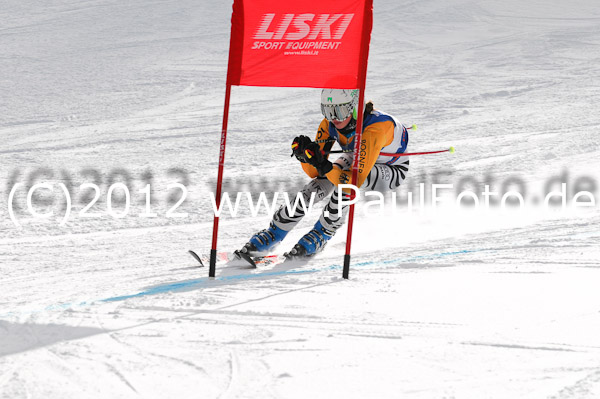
<point>382,178</point>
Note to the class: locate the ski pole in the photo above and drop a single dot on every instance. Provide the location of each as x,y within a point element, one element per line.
<point>451,150</point>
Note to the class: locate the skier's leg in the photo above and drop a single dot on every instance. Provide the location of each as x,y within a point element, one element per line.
<point>382,178</point>
<point>284,220</point>
<point>330,221</point>
<point>385,177</point>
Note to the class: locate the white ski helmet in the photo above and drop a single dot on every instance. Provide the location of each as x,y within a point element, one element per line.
<point>338,104</point>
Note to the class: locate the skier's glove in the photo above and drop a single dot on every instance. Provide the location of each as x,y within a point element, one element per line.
<point>298,146</point>
<point>316,157</point>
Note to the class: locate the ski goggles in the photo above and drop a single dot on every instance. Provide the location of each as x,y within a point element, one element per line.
<point>336,112</point>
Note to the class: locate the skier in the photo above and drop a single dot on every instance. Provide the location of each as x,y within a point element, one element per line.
<point>381,133</point>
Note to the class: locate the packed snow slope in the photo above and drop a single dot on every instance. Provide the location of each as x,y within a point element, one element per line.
<point>453,302</point>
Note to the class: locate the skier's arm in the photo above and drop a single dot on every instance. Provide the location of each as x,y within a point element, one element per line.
<point>374,138</point>
<point>322,136</point>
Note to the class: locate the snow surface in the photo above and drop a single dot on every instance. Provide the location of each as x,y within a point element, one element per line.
<point>447,303</point>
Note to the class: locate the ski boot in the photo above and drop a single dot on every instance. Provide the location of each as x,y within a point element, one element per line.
<point>263,241</point>
<point>311,243</point>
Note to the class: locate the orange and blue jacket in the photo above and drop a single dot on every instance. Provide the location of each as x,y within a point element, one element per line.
<point>380,132</point>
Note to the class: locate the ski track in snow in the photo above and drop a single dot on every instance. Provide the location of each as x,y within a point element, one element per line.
<point>449,304</point>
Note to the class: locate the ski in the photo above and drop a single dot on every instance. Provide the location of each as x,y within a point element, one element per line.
<point>204,259</point>
<point>224,258</point>
<point>263,261</point>
<point>195,256</point>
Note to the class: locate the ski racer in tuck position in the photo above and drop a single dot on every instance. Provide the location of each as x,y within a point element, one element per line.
<point>381,133</point>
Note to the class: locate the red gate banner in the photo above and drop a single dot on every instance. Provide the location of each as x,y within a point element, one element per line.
<point>301,43</point>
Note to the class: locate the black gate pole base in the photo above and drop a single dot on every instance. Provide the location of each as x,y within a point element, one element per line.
<point>213,263</point>
<point>346,266</point>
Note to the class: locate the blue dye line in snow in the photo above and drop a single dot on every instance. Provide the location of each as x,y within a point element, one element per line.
<point>190,284</point>
<point>200,282</point>
<point>186,285</point>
